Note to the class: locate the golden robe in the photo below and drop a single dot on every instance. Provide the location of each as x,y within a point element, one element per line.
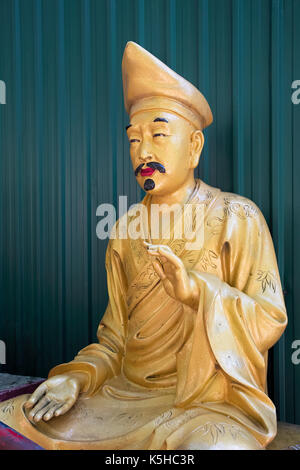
<point>179,378</point>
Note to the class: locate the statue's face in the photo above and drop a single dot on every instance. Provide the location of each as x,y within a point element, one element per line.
<point>162,140</point>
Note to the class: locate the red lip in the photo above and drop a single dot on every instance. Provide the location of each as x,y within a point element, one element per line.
<point>147,171</point>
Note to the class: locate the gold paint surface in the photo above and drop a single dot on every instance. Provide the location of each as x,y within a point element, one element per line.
<point>181,357</point>
<point>175,369</point>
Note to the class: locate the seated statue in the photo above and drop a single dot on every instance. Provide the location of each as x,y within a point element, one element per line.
<point>181,361</point>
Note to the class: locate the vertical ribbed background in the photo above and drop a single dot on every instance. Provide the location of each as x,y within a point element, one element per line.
<point>63,151</point>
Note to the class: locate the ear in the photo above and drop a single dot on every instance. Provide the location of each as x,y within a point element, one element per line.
<point>197,143</point>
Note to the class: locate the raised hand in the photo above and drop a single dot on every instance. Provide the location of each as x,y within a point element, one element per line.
<point>54,397</point>
<point>173,274</point>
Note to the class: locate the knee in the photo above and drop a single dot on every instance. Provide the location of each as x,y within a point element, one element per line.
<point>220,436</point>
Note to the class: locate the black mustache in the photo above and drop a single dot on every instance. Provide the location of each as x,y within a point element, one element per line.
<point>154,165</point>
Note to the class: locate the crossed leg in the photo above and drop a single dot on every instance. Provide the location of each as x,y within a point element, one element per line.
<point>220,433</point>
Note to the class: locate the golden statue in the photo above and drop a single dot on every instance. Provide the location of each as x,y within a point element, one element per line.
<point>181,361</point>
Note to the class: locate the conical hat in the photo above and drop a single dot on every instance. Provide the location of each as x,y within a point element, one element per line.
<point>149,84</point>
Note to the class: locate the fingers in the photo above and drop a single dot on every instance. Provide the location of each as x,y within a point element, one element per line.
<point>51,411</point>
<point>171,257</point>
<point>157,267</point>
<point>164,248</point>
<point>46,412</point>
<point>165,253</point>
<point>39,415</point>
<point>63,409</point>
<point>36,396</point>
<point>44,402</point>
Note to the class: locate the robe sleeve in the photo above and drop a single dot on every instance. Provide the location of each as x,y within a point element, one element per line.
<point>101,361</point>
<point>252,281</point>
<point>243,313</point>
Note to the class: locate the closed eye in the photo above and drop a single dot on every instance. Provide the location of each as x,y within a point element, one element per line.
<point>134,140</point>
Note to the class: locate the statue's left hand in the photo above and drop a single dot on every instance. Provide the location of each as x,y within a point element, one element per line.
<point>178,283</point>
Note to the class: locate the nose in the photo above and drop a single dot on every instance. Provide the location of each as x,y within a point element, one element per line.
<point>145,153</point>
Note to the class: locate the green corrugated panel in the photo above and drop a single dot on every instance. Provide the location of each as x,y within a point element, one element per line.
<point>64,151</point>
<point>278,180</point>
<point>293,275</point>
